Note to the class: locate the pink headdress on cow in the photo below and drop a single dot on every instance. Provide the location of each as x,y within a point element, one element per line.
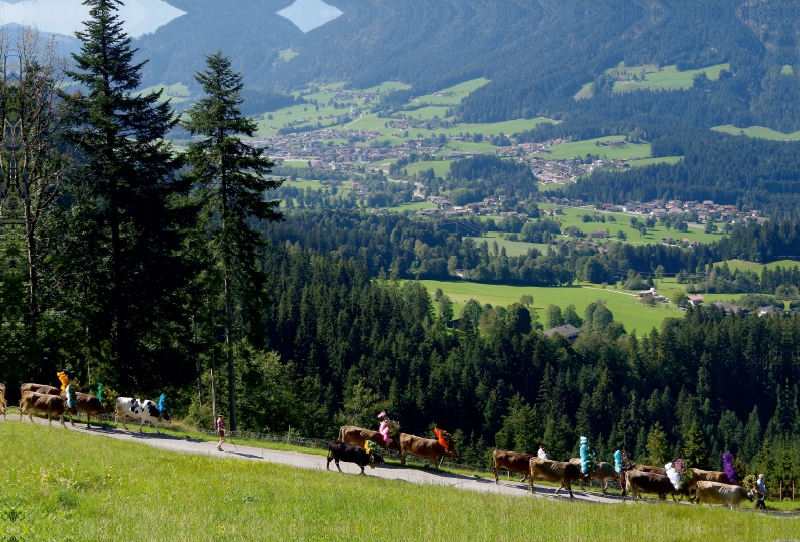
<point>727,466</point>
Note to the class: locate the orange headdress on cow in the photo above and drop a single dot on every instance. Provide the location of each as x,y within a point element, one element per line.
<point>444,438</point>
<point>62,376</point>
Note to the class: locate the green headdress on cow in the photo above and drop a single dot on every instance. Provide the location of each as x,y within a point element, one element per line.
<point>371,447</point>
<point>100,392</point>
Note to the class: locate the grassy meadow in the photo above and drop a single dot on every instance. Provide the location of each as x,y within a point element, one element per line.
<point>758,132</point>
<point>627,309</point>
<point>589,146</point>
<point>666,78</point>
<point>88,488</point>
<point>573,216</point>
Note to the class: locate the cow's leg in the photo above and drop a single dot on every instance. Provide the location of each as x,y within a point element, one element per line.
<point>496,479</point>
<point>340,468</point>
<point>50,418</point>
<point>330,458</point>
<point>155,424</point>
<point>436,464</point>
<point>362,471</point>
<point>605,485</point>
<point>71,420</point>
<point>402,458</point>
<point>569,488</point>
<point>62,421</point>
<point>88,417</point>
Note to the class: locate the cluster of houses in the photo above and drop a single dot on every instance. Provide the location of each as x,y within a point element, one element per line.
<point>706,210</point>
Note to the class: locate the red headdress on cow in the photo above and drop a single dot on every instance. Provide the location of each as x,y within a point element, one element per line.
<point>444,438</point>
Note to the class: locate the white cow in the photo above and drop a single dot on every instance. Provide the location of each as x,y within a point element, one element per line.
<point>718,493</point>
<point>144,411</point>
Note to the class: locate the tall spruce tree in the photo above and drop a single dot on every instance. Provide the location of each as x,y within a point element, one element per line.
<point>229,179</point>
<point>127,226</point>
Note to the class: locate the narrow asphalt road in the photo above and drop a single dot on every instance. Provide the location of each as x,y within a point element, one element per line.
<point>315,462</point>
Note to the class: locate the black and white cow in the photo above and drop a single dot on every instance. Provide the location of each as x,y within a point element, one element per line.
<point>144,411</point>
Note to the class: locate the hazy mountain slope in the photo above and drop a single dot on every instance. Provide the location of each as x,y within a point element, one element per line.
<point>538,53</point>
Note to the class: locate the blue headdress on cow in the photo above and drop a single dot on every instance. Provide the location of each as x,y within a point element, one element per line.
<point>618,461</point>
<point>584,455</point>
<point>162,403</point>
<point>72,397</point>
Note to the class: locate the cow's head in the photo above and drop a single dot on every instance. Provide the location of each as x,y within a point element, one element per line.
<point>375,459</point>
<point>393,445</point>
<point>164,416</point>
<point>451,454</point>
<point>751,494</point>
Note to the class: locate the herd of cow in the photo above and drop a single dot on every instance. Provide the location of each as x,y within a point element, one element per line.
<point>712,487</point>
<point>53,402</point>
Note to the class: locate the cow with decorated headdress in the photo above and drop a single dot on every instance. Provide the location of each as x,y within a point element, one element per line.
<point>141,411</point>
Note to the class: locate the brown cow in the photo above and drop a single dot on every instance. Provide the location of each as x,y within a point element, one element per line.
<point>512,462</point>
<point>424,448</point>
<point>717,493</point>
<point>553,471</point>
<point>52,405</point>
<point>707,476</point>
<point>358,436</point>
<point>637,482</point>
<point>86,404</point>
<point>647,468</point>
<point>39,388</point>
<point>3,400</point>
<point>603,473</point>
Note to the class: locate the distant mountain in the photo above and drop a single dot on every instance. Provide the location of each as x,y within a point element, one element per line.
<point>538,53</point>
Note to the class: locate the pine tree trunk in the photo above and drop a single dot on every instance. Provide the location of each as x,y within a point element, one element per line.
<point>229,352</point>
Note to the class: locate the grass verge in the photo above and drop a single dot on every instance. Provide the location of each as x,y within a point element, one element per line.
<point>86,488</point>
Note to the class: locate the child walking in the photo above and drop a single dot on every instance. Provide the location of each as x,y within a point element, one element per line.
<point>220,431</point>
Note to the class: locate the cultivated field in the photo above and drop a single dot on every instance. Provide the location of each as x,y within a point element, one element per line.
<point>177,93</point>
<point>87,488</point>
<point>454,94</point>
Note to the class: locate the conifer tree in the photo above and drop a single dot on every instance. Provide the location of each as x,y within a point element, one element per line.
<point>230,180</point>
<point>126,228</point>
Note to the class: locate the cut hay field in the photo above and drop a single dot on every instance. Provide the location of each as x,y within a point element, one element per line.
<point>177,93</point>
<point>758,132</point>
<point>88,488</point>
<point>440,167</point>
<point>513,248</point>
<point>287,54</point>
<point>628,310</point>
<point>743,265</point>
<point>650,161</point>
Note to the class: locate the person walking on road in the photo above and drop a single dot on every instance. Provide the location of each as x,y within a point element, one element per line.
<point>220,431</point>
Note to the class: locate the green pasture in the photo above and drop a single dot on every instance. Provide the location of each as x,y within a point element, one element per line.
<point>787,70</point>
<point>388,86</point>
<point>650,161</point>
<point>440,167</point>
<point>588,146</point>
<point>459,92</point>
<point>88,488</point>
<point>627,309</point>
<point>667,78</point>
<point>303,184</point>
<point>427,112</point>
<point>585,92</point>
<point>743,265</point>
<point>288,54</point>
<point>513,248</point>
<point>573,216</point>
<point>758,132</point>
<point>177,93</point>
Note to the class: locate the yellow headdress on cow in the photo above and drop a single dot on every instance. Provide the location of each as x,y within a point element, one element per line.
<point>62,376</point>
